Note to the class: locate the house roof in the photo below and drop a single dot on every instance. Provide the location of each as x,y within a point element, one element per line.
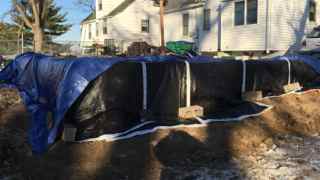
<point>171,5</point>
<point>179,4</point>
<point>90,17</point>
<point>121,7</point>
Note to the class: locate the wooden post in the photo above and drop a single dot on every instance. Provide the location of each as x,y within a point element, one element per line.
<point>162,26</point>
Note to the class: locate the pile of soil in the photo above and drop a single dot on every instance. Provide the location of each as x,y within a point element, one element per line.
<point>13,137</point>
<point>8,98</point>
<point>282,143</point>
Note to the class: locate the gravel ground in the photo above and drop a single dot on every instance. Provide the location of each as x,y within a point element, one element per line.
<point>294,158</point>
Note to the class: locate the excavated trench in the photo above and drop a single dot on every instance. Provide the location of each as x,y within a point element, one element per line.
<point>282,143</point>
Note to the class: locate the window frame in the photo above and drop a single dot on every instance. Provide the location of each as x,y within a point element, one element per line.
<point>207,19</point>
<point>145,26</point>
<point>312,15</point>
<point>185,24</point>
<point>105,26</point>
<point>243,19</point>
<point>256,12</point>
<point>97,29</point>
<point>90,32</point>
<point>100,6</point>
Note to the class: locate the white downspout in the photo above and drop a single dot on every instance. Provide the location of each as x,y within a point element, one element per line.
<point>219,27</point>
<point>267,35</point>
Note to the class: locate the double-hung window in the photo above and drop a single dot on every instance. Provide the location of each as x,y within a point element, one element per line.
<point>105,26</point>
<point>245,12</point>
<point>206,19</point>
<point>145,25</point>
<point>252,11</point>
<point>239,13</point>
<point>185,24</point>
<point>312,11</point>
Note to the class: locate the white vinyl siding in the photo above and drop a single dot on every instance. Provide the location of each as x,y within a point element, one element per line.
<point>289,23</point>
<point>174,30</point>
<point>126,27</point>
<point>280,28</point>
<point>107,7</point>
<point>87,35</point>
<point>248,37</point>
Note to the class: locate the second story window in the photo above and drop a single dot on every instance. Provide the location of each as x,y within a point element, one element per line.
<point>185,24</point>
<point>97,29</point>
<point>145,25</point>
<point>100,5</point>
<point>105,26</point>
<point>90,31</point>
<point>312,11</point>
<point>239,13</point>
<point>252,11</point>
<point>206,20</point>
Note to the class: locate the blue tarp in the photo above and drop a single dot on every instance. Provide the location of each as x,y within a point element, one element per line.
<point>49,84</point>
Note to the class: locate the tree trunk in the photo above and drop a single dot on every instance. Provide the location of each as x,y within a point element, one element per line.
<point>38,39</point>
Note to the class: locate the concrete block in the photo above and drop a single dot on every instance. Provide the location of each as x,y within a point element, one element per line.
<point>69,133</point>
<point>291,87</point>
<point>191,112</point>
<point>252,96</point>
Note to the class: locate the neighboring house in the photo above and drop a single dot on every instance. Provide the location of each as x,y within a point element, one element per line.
<point>118,23</point>
<point>213,25</point>
<point>88,34</point>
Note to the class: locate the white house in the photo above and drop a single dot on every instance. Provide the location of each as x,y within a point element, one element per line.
<point>88,35</point>
<point>213,25</point>
<point>118,23</point>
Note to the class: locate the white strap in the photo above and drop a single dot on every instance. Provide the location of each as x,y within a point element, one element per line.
<point>289,69</point>
<point>188,84</point>
<point>145,86</point>
<point>244,76</point>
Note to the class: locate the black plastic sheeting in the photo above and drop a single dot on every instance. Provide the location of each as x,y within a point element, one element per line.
<point>113,103</point>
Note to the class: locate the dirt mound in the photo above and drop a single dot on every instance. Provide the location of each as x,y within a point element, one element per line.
<point>274,145</point>
<point>8,98</point>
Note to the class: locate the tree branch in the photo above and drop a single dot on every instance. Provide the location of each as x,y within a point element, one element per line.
<point>35,9</point>
<point>23,13</point>
<point>44,8</point>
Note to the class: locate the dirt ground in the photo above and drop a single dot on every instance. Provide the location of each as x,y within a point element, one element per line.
<point>283,143</point>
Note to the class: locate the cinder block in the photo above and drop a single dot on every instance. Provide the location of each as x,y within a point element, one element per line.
<point>291,87</point>
<point>191,112</point>
<point>69,133</point>
<point>252,96</point>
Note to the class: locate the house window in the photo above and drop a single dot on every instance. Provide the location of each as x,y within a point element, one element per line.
<point>185,24</point>
<point>97,29</point>
<point>206,20</point>
<point>312,11</point>
<point>145,25</point>
<point>252,11</point>
<point>110,43</point>
<point>100,4</point>
<point>105,26</point>
<point>239,13</point>
<point>90,31</point>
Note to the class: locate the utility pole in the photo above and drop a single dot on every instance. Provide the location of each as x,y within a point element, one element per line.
<point>162,26</point>
<point>22,41</point>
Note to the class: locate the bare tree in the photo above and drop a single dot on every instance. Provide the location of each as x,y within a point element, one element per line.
<point>88,5</point>
<point>33,18</point>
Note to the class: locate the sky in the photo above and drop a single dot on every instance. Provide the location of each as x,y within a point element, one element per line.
<point>75,15</point>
